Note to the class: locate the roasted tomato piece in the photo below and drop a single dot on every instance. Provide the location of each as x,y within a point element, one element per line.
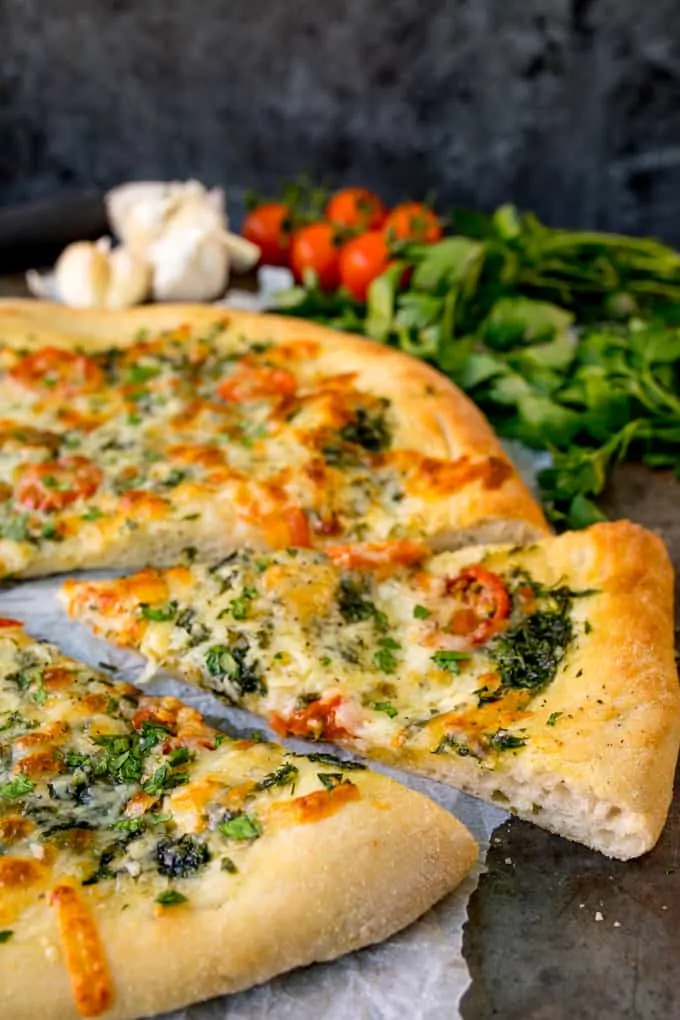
<point>316,721</point>
<point>55,484</point>
<point>252,381</point>
<point>57,371</point>
<point>484,604</point>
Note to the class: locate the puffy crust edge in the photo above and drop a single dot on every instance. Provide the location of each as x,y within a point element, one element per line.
<point>311,893</point>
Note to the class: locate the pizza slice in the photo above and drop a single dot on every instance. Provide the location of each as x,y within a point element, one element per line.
<point>156,434</point>
<point>148,861</point>
<point>540,678</point>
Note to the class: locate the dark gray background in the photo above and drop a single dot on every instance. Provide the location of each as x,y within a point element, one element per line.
<point>570,107</point>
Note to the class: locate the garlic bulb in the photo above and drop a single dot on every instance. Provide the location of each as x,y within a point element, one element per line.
<point>140,212</point>
<point>90,275</point>
<point>181,229</point>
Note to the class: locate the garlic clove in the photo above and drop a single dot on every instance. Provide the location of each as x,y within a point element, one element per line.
<point>138,213</point>
<point>243,254</point>
<point>129,279</point>
<point>82,274</point>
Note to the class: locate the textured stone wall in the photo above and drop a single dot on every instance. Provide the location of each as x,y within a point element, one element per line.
<point>570,107</point>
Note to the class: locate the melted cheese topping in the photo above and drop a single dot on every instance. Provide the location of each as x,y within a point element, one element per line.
<point>183,427</point>
<point>108,797</point>
<point>362,645</point>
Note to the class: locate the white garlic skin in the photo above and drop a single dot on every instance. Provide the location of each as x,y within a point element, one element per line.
<point>189,264</point>
<point>90,275</point>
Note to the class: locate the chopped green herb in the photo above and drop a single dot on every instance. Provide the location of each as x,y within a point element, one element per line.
<point>241,826</point>
<point>5,935</point>
<point>502,740</point>
<point>421,612</point>
<point>17,789</point>
<point>160,614</point>
<point>286,775</point>
<point>226,864</point>
<point>450,661</point>
<point>170,898</point>
<point>179,858</point>
<point>331,759</point>
<point>330,780</point>
<point>385,706</point>
<point>325,660</point>
<point>553,717</point>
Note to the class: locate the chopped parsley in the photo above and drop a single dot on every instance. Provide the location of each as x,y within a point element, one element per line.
<point>503,740</point>
<point>553,717</point>
<point>369,430</point>
<point>241,826</point>
<point>179,858</point>
<point>355,607</point>
<point>160,614</point>
<point>331,759</point>
<point>527,655</point>
<point>286,775</point>
<point>329,780</point>
<point>232,663</point>
<point>384,657</point>
<point>17,788</point>
<point>421,613</point>
<point>226,864</point>
<point>170,898</point>
<point>450,661</point>
<point>385,706</point>
<point>5,935</point>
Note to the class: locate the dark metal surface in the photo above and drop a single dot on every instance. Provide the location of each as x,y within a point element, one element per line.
<point>558,932</point>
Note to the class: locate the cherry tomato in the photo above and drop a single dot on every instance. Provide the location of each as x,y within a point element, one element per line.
<point>412,221</point>
<point>356,207</point>
<point>252,381</point>
<point>57,371</point>
<point>315,247</point>
<point>268,226</point>
<point>316,721</point>
<point>55,484</point>
<point>361,260</point>
<point>485,604</point>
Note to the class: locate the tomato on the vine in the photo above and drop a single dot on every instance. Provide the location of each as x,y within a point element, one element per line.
<point>268,226</point>
<point>412,221</point>
<point>315,247</point>
<point>361,260</point>
<point>356,207</point>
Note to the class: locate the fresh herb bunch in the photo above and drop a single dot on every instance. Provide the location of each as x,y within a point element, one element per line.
<point>569,342</point>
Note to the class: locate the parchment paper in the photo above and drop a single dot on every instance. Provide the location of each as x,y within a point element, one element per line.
<point>420,973</point>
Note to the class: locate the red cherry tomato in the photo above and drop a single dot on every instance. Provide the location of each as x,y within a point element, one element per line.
<point>55,484</point>
<point>485,604</point>
<point>268,226</point>
<point>361,260</point>
<point>316,721</point>
<point>252,381</point>
<point>412,221</point>
<point>315,247</point>
<point>356,207</point>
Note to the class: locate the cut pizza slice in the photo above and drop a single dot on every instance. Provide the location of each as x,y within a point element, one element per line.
<point>135,438</point>
<point>148,861</point>
<point>539,678</point>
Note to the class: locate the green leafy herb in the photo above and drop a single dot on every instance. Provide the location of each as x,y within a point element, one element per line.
<point>330,780</point>
<point>241,826</point>
<point>5,935</point>
<point>285,775</point>
<point>160,614</point>
<point>385,706</point>
<point>502,740</point>
<point>331,759</point>
<point>181,857</point>
<point>17,789</point>
<point>553,717</point>
<point>226,864</point>
<point>450,661</point>
<point>421,613</point>
<point>170,898</point>
<point>384,657</point>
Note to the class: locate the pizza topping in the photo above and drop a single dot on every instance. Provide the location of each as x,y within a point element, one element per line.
<point>56,371</point>
<point>56,484</point>
<point>377,555</point>
<point>83,953</point>
<point>179,858</point>
<point>315,806</point>
<point>251,382</point>
<point>321,719</point>
<point>484,604</point>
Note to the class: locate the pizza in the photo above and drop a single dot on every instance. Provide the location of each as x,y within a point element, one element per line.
<point>155,435</point>
<point>540,677</point>
<point>148,860</point>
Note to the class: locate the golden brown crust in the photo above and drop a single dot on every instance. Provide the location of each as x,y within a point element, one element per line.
<point>299,903</point>
<point>432,416</point>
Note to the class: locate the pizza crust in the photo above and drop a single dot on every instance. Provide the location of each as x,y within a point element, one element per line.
<point>301,902</point>
<point>431,416</point>
<point>603,773</point>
